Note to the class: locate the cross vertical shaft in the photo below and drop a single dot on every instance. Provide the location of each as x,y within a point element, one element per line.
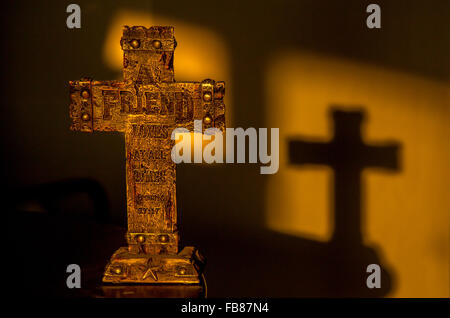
<point>150,172</point>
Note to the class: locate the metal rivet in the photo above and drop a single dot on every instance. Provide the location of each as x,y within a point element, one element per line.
<point>135,43</point>
<point>157,44</point>
<point>85,117</point>
<point>163,238</point>
<point>182,271</point>
<point>140,238</point>
<point>207,97</point>
<point>116,270</point>
<point>207,119</point>
<point>85,94</point>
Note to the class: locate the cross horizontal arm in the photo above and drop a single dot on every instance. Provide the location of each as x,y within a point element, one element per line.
<point>303,152</point>
<point>385,156</point>
<point>108,105</point>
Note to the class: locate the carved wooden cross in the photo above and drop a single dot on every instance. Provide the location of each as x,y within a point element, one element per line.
<point>147,105</point>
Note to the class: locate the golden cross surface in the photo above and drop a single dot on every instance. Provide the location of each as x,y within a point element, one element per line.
<point>147,105</point>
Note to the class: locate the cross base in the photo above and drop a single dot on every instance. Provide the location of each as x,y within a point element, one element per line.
<point>126,267</point>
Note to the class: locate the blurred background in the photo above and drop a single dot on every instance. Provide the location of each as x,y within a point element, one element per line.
<point>364,144</point>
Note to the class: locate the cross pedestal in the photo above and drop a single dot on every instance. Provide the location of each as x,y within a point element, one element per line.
<point>146,106</point>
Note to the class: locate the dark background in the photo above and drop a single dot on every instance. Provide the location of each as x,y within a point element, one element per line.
<point>220,205</point>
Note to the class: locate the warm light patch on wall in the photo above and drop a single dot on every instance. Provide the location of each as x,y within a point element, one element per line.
<point>200,53</point>
<point>405,213</point>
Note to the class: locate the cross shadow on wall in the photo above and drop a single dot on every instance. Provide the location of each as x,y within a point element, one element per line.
<point>280,265</point>
<point>347,155</point>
